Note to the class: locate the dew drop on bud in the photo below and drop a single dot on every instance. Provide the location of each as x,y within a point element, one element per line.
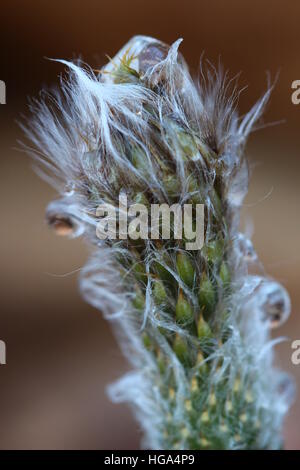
<point>145,52</point>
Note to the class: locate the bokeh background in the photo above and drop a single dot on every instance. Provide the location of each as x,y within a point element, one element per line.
<point>60,352</point>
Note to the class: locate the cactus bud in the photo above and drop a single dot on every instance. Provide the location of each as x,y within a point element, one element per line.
<point>163,272</point>
<point>213,251</point>
<point>140,273</point>
<point>139,160</point>
<point>180,348</point>
<point>139,299</point>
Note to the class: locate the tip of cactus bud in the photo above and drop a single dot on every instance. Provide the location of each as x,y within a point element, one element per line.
<point>207,296</point>
<point>203,328</point>
<point>214,251</point>
<point>184,310</point>
<point>159,292</point>
<point>180,348</point>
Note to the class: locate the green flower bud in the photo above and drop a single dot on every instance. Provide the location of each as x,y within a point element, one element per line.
<point>181,350</point>
<point>159,292</point>
<point>140,273</point>
<point>185,140</point>
<point>123,72</point>
<point>187,144</point>
<point>217,204</point>
<point>184,311</point>
<point>185,268</point>
<point>201,366</point>
<point>194,188</point>
<point>224,274</point>
<point>203,329</point>
<point>206,151</point>
<point>207,296</point>
<point>162,272</point>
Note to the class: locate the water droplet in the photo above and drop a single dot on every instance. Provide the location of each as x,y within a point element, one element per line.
<point>62,225</point>
<point>151,55</point>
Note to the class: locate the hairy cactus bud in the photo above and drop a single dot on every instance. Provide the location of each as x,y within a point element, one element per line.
<point>196,322</point>
<point>203,328</point>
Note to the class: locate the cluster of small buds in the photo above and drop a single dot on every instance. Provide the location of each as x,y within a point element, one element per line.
<point>196,325</point>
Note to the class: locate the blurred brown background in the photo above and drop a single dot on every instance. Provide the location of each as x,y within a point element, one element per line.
<point>60,352</point>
